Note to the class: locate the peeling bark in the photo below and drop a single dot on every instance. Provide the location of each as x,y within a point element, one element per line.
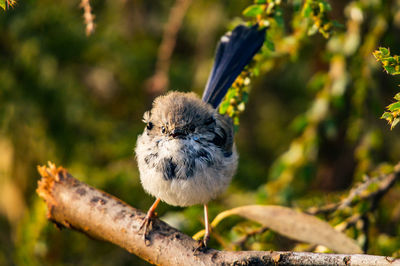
<point>76,205</point>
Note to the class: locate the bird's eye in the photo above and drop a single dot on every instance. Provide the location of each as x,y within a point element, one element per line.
<point>192,128</point>
<point>163,130</point>
<point>209,121</point>
<point>149,126</point>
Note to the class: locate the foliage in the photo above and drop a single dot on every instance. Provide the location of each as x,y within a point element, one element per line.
<point>7,4</point>
<point>392,66</point>
<point>318,11</point>
<point>310,137</point>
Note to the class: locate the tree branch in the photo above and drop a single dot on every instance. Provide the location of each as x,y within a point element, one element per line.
<point>88,17</point>
<point>362,192</point>
<point>158,83</point>
<point>76,205</point>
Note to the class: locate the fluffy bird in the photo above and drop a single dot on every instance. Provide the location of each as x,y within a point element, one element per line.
<point>186,154</point>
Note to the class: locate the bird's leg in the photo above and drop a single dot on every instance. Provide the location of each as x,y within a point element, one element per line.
<point>147,220</point>
<point>207,226</point>
<point>203,243</point>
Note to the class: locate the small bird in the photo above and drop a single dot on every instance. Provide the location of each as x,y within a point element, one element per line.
<point>186,154</point>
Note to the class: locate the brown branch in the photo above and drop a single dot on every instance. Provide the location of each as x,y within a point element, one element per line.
<point>76,205</point>
<point>158,83</point>
<point>88,17</point>
<point>361,193</point>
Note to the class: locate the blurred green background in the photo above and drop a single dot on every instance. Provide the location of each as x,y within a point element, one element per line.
<point>310,130</point>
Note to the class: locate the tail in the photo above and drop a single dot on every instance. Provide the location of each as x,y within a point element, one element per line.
<point>234,52</point>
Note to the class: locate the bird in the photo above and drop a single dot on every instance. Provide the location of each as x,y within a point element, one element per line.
<point>186,154</point>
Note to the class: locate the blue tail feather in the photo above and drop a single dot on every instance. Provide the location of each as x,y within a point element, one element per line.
<point>234,52</point>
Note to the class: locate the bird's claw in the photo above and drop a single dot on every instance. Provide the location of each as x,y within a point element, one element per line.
<point>146,223</point>
<point>202,246</point>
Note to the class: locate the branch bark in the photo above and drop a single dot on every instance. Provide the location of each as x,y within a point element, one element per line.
<point>76,205</point>
<point>361,193</point>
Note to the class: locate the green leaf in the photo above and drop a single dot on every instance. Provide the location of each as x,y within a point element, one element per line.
<point>253,10</point>
<point>295,225</point>
<point>256,71</point>
<point>389,69</point>
<point>394,107</point>
<point>397,96</point>
<point>388,116</point>
<point>300,123</point>
<point>307,11</point>
<point>230,94</point>
<point>261,1</point>
<point>325,7</point>
<point>3,4</point>
<point>277,169</point>
<point>384,51</point>
<point>224,107</point>
<point>269,43</point>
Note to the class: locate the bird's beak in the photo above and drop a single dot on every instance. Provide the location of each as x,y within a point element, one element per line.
<point>178,133</point>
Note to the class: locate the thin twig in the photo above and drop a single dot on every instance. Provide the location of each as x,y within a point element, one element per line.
<point>159,81</point>
<point>361,193</point>
<point>88,17</point>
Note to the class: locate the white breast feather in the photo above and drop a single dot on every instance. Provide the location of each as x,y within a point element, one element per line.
<point>206,183</point>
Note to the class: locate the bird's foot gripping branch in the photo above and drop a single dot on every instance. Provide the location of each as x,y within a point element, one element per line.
<point>76,205</point>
